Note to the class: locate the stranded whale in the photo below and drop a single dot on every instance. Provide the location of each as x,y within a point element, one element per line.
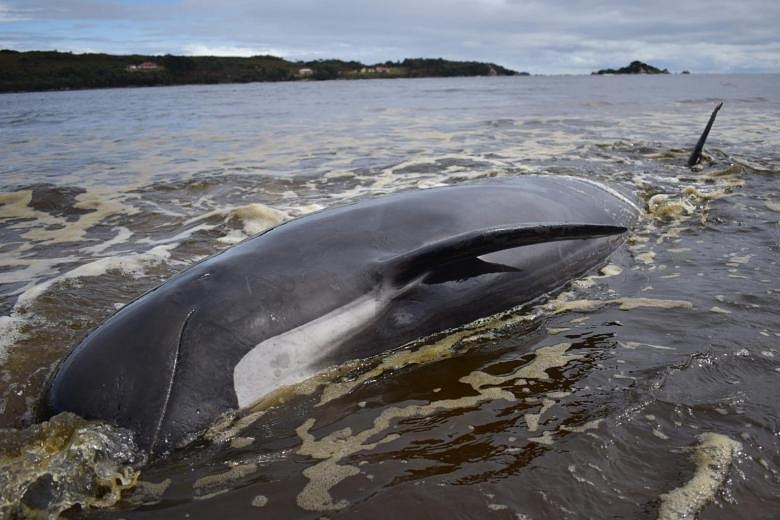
<point>341,284</point>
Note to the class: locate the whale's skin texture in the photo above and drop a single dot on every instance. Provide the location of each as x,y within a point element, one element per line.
<point>320,290</point>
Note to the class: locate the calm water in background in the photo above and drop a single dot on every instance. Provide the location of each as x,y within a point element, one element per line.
<point>660,374</point>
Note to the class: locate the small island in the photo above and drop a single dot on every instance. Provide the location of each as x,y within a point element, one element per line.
<point>52,70</point>
<point>635,67</point>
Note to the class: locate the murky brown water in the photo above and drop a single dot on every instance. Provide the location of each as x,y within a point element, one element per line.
<point>647,390</point>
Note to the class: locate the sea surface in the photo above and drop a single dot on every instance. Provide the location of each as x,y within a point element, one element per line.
<point>649,389</point>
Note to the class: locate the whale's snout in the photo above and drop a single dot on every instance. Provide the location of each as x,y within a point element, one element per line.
<point>123,371</point>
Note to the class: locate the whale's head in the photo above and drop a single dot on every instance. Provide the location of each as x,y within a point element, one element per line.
<point>158,367</point>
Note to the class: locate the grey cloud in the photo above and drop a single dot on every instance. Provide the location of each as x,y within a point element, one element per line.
<point>87,10</point>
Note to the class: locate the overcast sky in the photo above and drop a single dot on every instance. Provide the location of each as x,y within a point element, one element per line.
<point>543,37</point>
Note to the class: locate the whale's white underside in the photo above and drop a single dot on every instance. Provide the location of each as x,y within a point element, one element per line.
<point>293,356</point>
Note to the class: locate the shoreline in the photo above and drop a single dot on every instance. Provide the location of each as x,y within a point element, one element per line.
<point>297,81</point>
<point>44,71</point>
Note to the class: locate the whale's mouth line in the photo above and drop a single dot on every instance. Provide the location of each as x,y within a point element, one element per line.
<point>169,390</point>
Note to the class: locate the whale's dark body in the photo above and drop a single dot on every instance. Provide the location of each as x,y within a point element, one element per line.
<point>341,284</point>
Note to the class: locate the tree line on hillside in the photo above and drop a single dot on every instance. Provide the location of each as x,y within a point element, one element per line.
<point>52,70</point>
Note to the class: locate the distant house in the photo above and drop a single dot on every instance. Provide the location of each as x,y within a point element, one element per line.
<point>305,72</point>
<point>373,70</point>
<point>147,65</point>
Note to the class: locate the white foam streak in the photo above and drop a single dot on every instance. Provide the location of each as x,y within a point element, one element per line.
<point>122,236</point>
<point>133,264</point>
<point>10,333</point>
<point>179,237</point>
<point>11,326</point>
<point>713,457</point>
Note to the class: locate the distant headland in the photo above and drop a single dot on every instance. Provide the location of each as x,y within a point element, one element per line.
<point>52,70</point>
<point>635,67</point>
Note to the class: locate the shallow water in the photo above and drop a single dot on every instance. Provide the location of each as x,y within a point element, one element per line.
<point>649,390</point>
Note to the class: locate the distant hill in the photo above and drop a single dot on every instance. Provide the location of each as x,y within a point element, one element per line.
<point>635,67</point>
<point>52,70</point>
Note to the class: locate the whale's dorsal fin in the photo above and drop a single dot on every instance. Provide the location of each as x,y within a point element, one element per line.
<point>418,262</point>
<point>696,153</point>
